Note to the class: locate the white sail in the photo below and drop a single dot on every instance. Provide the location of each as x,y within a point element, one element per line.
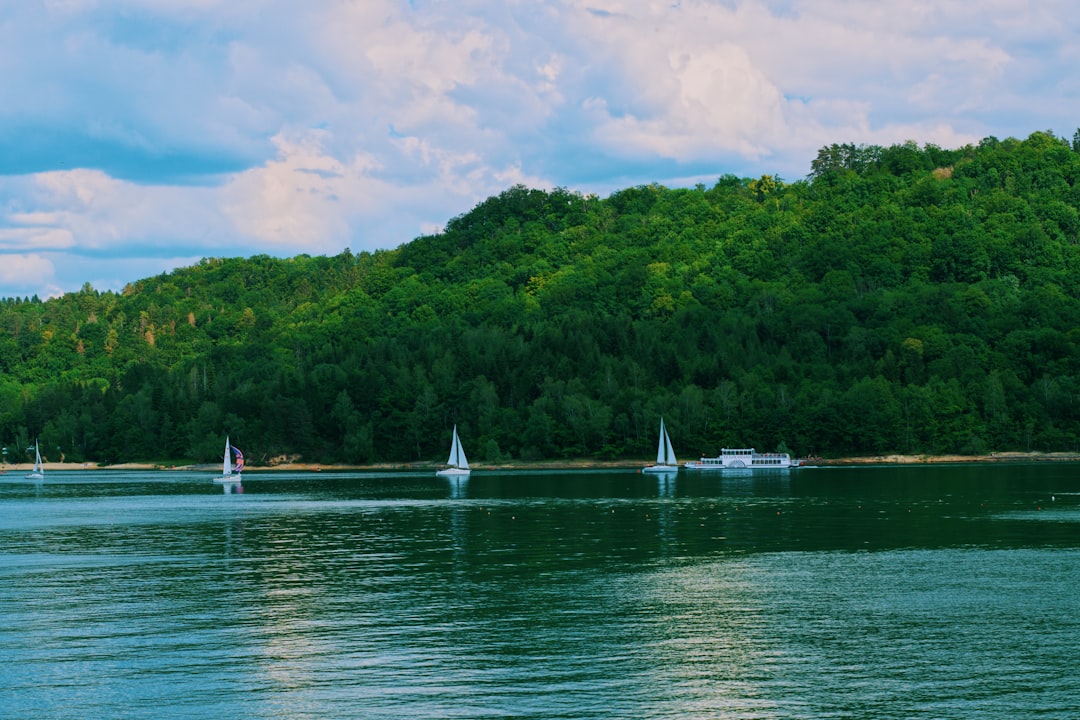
<point>458,465</point>
<point>232,465</point>
<point>230,471</point>
<point>226,464</point>
<point>665,454</point>
<point>457,453</point>
<point>38,473</point>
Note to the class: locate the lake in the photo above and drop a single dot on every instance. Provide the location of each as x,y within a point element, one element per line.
<point>856,592</point>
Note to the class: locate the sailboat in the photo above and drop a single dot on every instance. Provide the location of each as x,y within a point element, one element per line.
<point>459,466</point>
<point>38,473</point>
<point>665,455</point>
<point>230,472</point>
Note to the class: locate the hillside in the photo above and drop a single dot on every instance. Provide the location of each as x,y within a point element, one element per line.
<point>898,300</point>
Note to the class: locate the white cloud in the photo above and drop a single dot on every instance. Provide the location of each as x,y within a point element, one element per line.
<point>702,100</point>
<point>27,272</point>
<point>97,213</point>
<point>175,129</point>
<point>35,236</point>
<point>303,200</point>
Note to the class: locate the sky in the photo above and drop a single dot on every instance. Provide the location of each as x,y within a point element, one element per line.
<point>138,136</point>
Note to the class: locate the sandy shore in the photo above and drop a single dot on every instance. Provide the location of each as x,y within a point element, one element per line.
<point>1000,457</point>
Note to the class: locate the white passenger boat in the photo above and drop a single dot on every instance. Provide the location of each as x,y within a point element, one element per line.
<point>743,459</point>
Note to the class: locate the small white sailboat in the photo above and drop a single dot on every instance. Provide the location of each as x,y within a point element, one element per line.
<point>38,473</point>
<point>230,471</point>
<point>459,465</point>
<point>665,455</point>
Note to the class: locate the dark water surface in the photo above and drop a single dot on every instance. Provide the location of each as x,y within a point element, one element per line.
<point>919,592</point>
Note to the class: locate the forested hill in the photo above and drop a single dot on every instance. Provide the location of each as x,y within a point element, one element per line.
<point>909,299</point>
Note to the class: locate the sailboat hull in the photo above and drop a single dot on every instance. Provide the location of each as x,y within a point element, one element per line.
<point>658,469</point>
<point>453,472</point>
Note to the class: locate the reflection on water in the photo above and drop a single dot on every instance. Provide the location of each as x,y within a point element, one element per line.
<point>458,487</point>
<point>868,592</point>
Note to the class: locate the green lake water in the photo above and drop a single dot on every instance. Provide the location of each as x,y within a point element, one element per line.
<point>868,592</point>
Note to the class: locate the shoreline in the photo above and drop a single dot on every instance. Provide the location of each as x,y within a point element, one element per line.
<point>893,459</point>
<point>996,457</point>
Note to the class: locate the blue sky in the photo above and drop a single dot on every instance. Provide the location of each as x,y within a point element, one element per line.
<point>137,136</point>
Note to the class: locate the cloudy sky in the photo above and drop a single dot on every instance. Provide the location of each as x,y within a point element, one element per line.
<point>137,136</point>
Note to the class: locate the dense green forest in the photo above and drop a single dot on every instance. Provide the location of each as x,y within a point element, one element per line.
<point>901,299</point>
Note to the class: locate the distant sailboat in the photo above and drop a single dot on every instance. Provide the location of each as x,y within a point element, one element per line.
<point>665,455</point>
<point>230,471</point>
<point>459,466</point>
<point>38,473</point>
